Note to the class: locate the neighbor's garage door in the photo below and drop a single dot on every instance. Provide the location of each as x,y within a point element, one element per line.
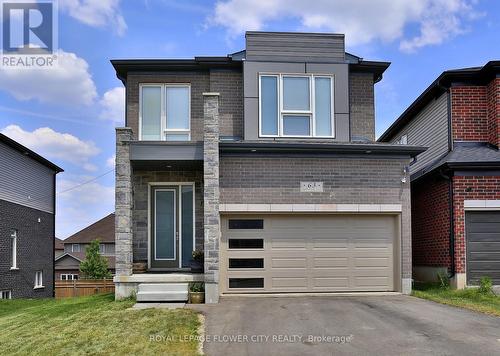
<point>483,245</point>
<point>307,253</point>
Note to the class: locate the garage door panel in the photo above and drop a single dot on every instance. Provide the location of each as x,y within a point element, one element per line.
<point>322,253</point>
<point>483,245</point>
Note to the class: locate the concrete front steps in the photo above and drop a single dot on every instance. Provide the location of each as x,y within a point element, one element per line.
<point>162,292</point>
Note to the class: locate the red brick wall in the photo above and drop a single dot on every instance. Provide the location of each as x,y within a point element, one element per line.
<point>430,222</point>
<point>469,188</point>
<point>494,112</point>
<point>469,107</point>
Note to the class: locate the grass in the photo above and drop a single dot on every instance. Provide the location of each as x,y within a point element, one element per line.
<point>94,325</point>
<point>469,298</point>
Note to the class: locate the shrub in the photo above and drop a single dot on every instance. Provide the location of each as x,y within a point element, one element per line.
<point>485,285</point>
<point>94,266</point>
<point>444,281</point>
<point>197,287</point>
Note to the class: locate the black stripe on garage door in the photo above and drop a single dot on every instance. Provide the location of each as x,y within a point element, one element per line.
<point>483,245</point>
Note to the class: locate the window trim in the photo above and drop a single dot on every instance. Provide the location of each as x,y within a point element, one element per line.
<point>312,104</point>
<point>8,292</point>
<point>73,275</point>
<point>38,280</point>
<point>163,112</point>
<point>13,252</point>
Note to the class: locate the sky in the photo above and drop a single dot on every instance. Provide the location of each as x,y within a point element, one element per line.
<point>69,115</point>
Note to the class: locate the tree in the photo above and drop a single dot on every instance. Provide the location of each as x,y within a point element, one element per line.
<point>94,266</point>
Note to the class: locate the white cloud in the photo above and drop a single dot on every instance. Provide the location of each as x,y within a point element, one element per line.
<point>55,145</point>
<point>68,83</point>
<point>113,105</point>
<point>96,13</point>
<point>110,162</point>
<point>362,21</point>
<point>83,205</point>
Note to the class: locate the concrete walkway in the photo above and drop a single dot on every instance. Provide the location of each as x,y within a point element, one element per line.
<point>376,325</point>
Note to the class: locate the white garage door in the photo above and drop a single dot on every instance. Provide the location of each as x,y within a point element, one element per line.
<point>308,253</point>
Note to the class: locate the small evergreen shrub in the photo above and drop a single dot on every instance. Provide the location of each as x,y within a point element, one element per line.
<point>485,285</point>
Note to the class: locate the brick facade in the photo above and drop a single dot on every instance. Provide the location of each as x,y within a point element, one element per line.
<point>264,179</point>
<point>469,188</point>
<point>469,108</point>
<point>431,221</point>
<point>35,250</point>
<point>494,112</point>
<point>362,106</point>
<point>229,85</point>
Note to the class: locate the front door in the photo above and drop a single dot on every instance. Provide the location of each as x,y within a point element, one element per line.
<point>172,228</point>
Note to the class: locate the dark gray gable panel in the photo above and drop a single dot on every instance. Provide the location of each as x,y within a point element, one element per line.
<point>295,47</point>
<point>25,181</point>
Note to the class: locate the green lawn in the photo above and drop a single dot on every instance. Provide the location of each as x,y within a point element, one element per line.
<point>468,298</point>
<point>94,325</point>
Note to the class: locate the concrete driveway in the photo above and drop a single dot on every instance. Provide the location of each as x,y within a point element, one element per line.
<point>388,325</point>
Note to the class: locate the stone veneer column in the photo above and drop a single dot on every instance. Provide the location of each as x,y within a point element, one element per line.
<point>123,204</point>
<point>211,195</point>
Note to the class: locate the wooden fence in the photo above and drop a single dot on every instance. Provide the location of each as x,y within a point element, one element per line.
<point>82,287</point>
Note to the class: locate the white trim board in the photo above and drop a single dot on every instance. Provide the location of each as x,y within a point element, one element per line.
<point>482,204</point>
<point>310,208</point>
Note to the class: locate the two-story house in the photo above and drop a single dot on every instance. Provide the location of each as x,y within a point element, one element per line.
<point>67,264</point>
<point>456,183</point>
<point>27,222</point>
<point>265,160</point>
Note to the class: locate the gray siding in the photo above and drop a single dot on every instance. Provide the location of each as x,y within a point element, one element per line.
<point>24,181</point>
<point>295,47</point>
<point>428,128</point>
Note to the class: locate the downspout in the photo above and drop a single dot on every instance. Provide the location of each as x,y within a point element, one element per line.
<point>54,239</point>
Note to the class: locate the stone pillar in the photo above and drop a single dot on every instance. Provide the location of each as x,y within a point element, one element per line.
<point>123,204</point>
<point>406,255</point>
<point>211,195</point>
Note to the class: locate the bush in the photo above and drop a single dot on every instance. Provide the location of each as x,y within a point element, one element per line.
<point>94,266</point>
<point>485,285</point>
<point>197,287</point>
<point>444,281</point>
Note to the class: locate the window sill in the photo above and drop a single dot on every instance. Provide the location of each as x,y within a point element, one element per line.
<point>39,287</point>
<point>14,269</point>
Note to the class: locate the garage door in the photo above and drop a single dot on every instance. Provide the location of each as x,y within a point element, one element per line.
<point>307,253</point>
<point>483,245</point>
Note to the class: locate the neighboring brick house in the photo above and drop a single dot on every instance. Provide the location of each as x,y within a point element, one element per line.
<point>456,182</point>
<point>27,222</point>
<point>266,160</point>
<point>67,265</point>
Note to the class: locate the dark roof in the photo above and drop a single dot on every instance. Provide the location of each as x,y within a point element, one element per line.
<point>257,147</point>
<point>104,230</point>
<point>465,156</point>
<point>59,244</point>
<point>27,152</point>
<point>475,75</point>
<point>80,256</point>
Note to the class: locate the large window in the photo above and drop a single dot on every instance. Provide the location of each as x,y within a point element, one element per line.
<point>165,112</point>
<point>296,105</point>
<point>13,249</point>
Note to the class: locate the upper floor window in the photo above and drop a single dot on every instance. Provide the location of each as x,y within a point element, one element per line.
<point>75,248</point>
<point>165,112</point>
<point>296,105</point>
<point>102,249</point>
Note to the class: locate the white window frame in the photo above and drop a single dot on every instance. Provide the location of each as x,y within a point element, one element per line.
<point>39,279</point>
<point>312,101</point>
<point>13,244</point>
<point>163,112</point>
<point>6,294</point>
<point>67,277</point>
<point>73,249</point>
<point>403,140</point>
<point>103,252</point>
